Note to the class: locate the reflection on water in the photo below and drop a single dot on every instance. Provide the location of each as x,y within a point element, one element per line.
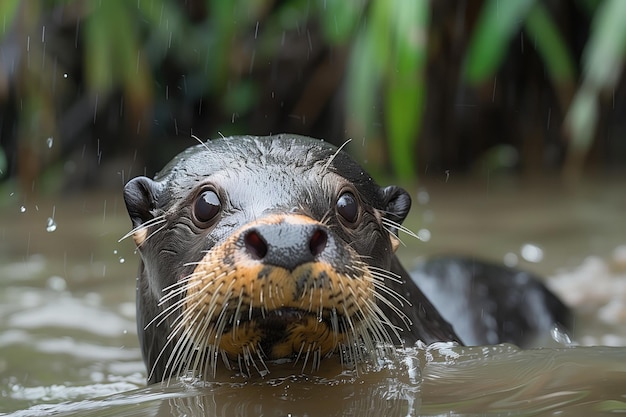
<point>68,340</point>
<point>436,380</point>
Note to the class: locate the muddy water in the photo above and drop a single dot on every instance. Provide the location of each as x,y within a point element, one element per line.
<point>68,340</point>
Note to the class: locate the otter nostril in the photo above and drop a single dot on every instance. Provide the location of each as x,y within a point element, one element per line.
<point>255,244</point>
<point>317,243</point>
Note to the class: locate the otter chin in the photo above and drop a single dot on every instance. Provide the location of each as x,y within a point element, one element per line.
<point>254,249</point>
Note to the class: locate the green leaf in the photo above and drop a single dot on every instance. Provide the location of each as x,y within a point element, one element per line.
<point>604,53</point>
<point>339,18</point>
<point>581,120</point>
<point>98,55</point>
<point>3,163</point>
<point>363,78</point>
<point>602,65</point>
<point>498,22</point>
<point>554,51</point>
<point>370,56</point>
<point>241,97</point>
<point>8,12</point>
<point>406,87</point>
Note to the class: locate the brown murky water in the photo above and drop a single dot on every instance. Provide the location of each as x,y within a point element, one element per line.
<point>68,340</point>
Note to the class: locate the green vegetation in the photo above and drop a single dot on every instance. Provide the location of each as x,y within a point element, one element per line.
<point>123,46</point>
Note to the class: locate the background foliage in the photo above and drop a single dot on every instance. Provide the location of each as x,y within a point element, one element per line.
<point>418,82</point>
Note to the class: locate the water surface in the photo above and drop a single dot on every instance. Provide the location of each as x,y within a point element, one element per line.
<point>68,341</point>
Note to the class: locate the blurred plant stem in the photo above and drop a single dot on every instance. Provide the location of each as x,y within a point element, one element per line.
<point>602,61</point>
<point>224,53</point>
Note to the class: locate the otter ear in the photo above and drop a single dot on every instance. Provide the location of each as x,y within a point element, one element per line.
<point>140,195</point>
<point>397,204</point>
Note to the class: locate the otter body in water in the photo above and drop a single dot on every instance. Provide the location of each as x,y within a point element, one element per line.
<point>262,248</point>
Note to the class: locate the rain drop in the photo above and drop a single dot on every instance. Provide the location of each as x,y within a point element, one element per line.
<point>65,75</point>
<point>423,235</point>
<point>22,209</point>
<point>510,259</point>
<point>57,283</point>
<point>423,197</point>
<point>532,253</point>
<point>122,260</point>
<point>51,226</point>
<point>50,142</point>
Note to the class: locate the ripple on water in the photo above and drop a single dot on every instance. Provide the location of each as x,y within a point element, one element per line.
<point>454,380</point>
<point>67,312</point>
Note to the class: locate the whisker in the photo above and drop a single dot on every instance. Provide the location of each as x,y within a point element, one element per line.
<point>332,158</point>
<point>201,142</point>
<point>156,220</point>
<point>395,225</point>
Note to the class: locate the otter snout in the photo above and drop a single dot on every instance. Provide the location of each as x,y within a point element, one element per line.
<point>286,245</point>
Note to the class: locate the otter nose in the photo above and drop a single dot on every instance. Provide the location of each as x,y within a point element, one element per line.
<point>285,244</point>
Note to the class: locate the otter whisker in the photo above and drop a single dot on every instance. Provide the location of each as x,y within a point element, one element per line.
<point>306,356</point>
<point>164,349</point>
<point>178,322</point>
<point>225,359</point>
<point>400,227</point>
<point>320,310</point>
<point>156,220</point>
<point>237,314</point>
<point>187,337</point>
<point>334,324</point>
<point>195,340</point>
<point>362,315</point>
<point>299,353</point>
<point>165,313</point>
<point>331,159</point>
<point>382,323</point>
<point>185,287</point>
<point>150,235</point>
<point>181,282</point>
<point>384,274</point>
<point>350,347</point>
<point>203,143</point>
<point>386,291</point>
<point>395,309</point>
<point>209,349</point>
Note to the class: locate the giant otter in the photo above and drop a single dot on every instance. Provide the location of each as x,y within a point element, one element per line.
<point>282,247</point>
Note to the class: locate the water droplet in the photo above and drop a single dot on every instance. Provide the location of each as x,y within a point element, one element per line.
<point>531,252</point>
<point>122,260</point>
<point>65,75</point>
<point>560,335</point>
<point>424,235</point>
<point>22,209</point>
<point>57,283</point>
<point>510,259</point>
<point>423,197</point>
<point>114,251</point>
<point>49,142</point>
<point>51,226</point>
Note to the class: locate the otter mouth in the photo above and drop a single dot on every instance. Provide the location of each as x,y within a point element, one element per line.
<point>277,324</point>
<point>285,316</point>
<point>279,317</point>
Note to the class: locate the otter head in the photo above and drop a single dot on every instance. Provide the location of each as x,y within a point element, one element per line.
<point>254,249</point>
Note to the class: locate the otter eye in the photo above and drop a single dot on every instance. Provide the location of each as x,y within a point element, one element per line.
<point>348,207</point>
<point>207,206</point>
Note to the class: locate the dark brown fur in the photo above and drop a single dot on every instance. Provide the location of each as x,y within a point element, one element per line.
<point>254,249</point>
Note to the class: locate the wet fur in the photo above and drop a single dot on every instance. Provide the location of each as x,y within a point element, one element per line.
<point>197,306</point>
